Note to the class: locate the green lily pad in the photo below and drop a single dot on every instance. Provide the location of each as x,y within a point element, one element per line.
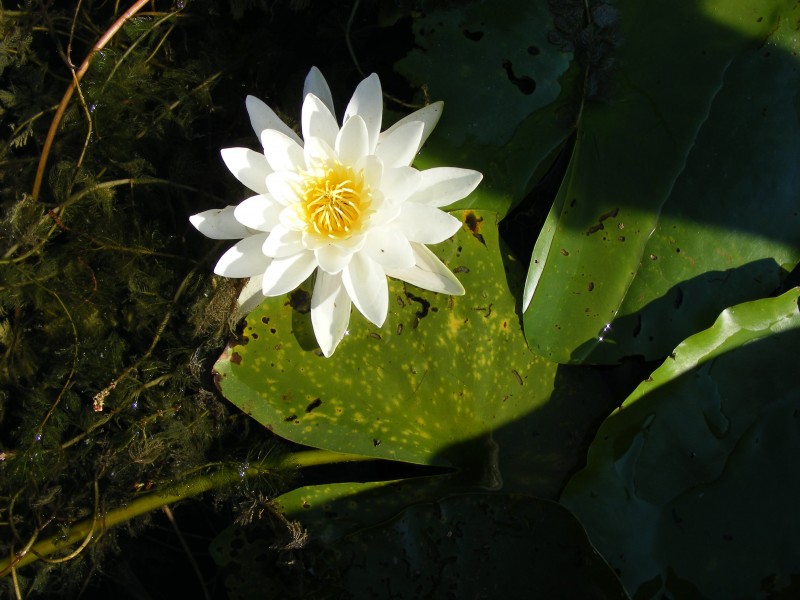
<point>476,546</point>
<point>503,83</point>
<point>661,220</point>
<point>479,545</point>
<point>447,382</point>
<point>689,488</point>
<point>331,511</point>
<point>536,453</point>
<point>427,388</point>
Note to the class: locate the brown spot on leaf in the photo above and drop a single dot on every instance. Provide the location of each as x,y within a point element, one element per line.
<point>608,215</point>
<point>473,223</point>
<point>424,305</point>
<point>595,228</point>
<point>236,358</point>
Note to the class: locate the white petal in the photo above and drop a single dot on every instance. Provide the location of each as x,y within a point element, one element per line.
<point>428,115</point>
<point>330,311</point>
<point>263,117</point>
<point>351,244</point>
<point>284,186</point>
<point>283,153</point>
<point>399,148</point>
<point>293,217</point>
<point>249,167</point>
<point>250,296</point>
<point>285,274</point>
<point>367,101</point>
<point>315,84</point>
<point>283,242</point>
<point>259,212</point>
<point>385,214</point>
<point>365,282</point>
<point>219,224</point>
<point>317,120</point>
<point>244,259</point>
<point>332,259</point>
<point>399,183</point>
<point>353,141</point>
<point>429,273</point>
<point>444,185</point>
<point>425,224</point>
<point>373,170</point>
<point>389,248</point>
<point>318,154</point>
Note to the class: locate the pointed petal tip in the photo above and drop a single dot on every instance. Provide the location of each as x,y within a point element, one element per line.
<point>314,75</point>
<point>219,224</point>
<point>330,312</point>
<point>316,84</point>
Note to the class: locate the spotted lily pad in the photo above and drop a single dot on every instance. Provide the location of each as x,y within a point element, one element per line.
<point>510,94</point>
<point>681,197</point>
<point>428,387</point>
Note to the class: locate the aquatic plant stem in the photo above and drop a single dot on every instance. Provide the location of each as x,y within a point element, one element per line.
<point>78,75</point>
<point>93,528</point>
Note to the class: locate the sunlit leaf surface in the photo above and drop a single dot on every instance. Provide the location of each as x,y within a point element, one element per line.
<point>682,194</point>
<point>442,370</point>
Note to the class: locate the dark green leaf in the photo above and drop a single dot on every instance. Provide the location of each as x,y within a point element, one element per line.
<point>662,220</point>
<point>690,487</point>
<point>504,113</point>
<point>474,546</point>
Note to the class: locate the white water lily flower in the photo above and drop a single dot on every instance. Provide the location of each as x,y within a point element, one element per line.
<point>342,201</point>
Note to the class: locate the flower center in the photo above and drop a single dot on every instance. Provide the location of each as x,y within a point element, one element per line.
<point>335,202</point>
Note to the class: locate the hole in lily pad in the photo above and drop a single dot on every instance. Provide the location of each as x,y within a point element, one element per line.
<point>525,84</point>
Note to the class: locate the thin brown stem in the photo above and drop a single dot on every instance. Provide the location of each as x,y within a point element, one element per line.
<point>62,107</point>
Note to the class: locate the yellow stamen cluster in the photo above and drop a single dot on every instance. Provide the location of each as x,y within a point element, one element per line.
<point>335,202</point>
